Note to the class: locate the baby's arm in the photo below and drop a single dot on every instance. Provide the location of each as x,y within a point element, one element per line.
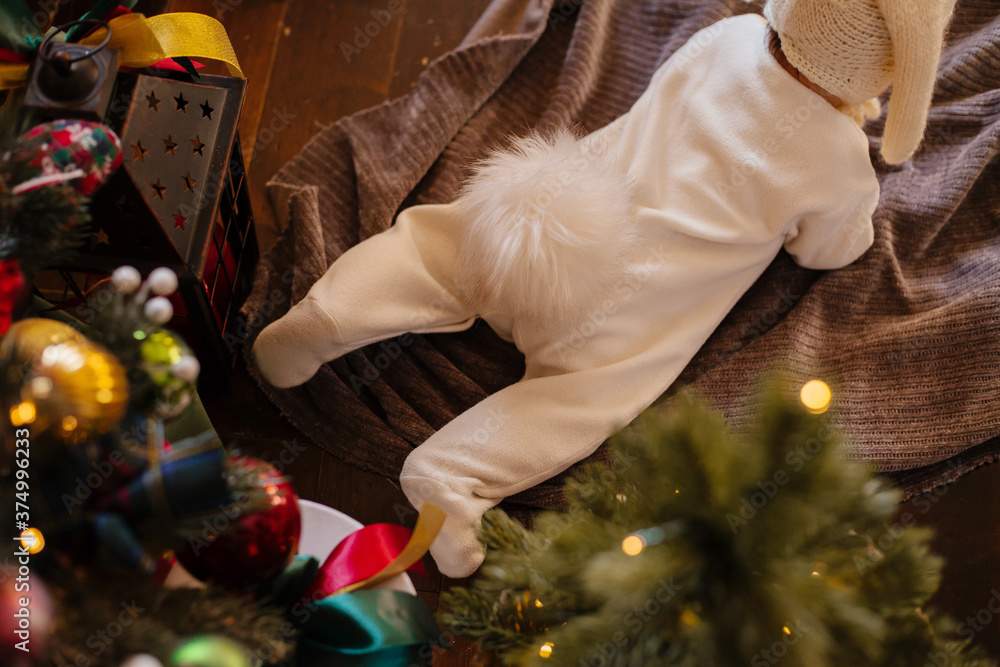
<point>398,281</point>
<point>837,237</point>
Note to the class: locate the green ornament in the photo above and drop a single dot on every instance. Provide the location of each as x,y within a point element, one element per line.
<point>210,651</point>
<point>172,370</point>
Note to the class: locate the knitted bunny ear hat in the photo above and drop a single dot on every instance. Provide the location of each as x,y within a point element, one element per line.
<point>856,49</point>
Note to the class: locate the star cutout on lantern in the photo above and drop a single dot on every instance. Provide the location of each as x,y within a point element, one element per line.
<point>179,220</point>
<point>139,152</point>
<point>154,103</point>
<point>189,182</point>
<point>169,146</point>
<point>101,237</point>
<point>160,188</point>
<point>197,146</point>
<point>206,110</point>
<point>181,103</point>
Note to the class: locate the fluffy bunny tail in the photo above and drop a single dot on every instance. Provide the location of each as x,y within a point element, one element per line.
<point>550,225</point>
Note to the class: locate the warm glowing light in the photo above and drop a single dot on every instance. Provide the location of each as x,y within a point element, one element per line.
<point>677,490</point>
<point>633,545</point>
<point>32,540</point>
<point>785,629</point>
<point>689,618</point>
<point>538,603</point>
<point>69,423</point>
<point>41,386</point>
<point>22,413</point>
<point>105,395</point>
<point>816,395</point>
<point>546,650</point>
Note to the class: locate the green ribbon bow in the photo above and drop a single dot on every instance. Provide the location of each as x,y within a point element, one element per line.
<point>365,628</point>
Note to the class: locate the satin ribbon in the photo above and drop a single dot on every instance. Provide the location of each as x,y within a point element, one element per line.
<point>362,628</point>
<point>142,42</point>
<point>376,627</point>
<point>376,553</point>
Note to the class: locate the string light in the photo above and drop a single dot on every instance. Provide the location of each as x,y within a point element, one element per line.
<point>816,395</point>
<point>786,630</point>
<point>546,650</point>
<point>32,540</point>
<point>22,413</point>
<point>633,545</point>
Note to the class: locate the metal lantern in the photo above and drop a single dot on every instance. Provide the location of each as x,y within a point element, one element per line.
<point>180,200</point>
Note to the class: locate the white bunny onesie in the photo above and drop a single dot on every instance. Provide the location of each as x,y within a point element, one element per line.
<point>730,159</point>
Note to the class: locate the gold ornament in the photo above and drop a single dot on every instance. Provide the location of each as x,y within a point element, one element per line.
<point>26,339</point>
<point>61,383</point>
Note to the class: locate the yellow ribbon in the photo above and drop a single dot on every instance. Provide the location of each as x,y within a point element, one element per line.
<point>428,526</point>
<point>142,42</point>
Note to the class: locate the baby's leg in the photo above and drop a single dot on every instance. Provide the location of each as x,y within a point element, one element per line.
<point>522,435</point>
<point>399,281</point>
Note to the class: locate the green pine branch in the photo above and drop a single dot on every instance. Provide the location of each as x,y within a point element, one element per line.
<point>755,547</point>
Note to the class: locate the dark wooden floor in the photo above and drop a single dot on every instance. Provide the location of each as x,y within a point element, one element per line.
<point>292,51</point>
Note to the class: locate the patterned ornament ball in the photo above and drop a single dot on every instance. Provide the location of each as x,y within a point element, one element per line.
<point>210,651</point>
<point>244,552</point>
<point>172,370</point>
<point>80,153</point>
<point>61,383</point>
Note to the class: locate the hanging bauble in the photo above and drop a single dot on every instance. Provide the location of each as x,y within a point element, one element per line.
<point>172,370</point>
<point>19,347</point>
<point>210,651</point>
<point>72,388</point>
<point>25,616</point>
<point>81,153</point>
<point>244,552</point>
<point>27,338</point>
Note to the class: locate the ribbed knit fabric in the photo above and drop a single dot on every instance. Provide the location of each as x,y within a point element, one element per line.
<point>907,335</point>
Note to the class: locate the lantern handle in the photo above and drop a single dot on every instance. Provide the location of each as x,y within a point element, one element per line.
<point>66,61</point>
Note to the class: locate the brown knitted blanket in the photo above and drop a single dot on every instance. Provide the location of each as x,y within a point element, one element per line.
<point>908,335</point>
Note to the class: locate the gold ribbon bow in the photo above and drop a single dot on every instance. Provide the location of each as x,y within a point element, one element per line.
<point>142,42</point>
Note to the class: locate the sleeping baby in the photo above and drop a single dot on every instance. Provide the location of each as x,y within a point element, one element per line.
<point>608,260</point>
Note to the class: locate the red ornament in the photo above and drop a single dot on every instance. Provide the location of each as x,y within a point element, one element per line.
<point>12,288</point>
<point>243,552</point>
<point>25,620</point>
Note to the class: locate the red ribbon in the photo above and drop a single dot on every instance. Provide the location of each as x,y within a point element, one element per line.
<point>361,555</point>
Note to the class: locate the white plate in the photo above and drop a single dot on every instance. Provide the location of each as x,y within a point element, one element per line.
<point>322,530</point>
